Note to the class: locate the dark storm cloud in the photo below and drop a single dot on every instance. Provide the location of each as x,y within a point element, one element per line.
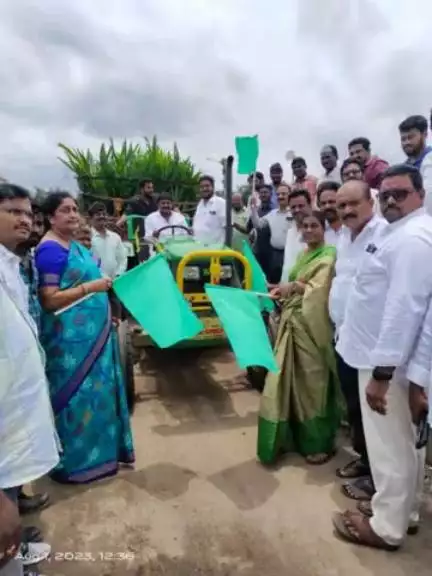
<point>106,83</point>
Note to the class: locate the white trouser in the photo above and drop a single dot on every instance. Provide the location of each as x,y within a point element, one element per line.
<point>397,467</point>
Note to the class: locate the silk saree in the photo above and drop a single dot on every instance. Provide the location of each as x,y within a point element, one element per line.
<point>300,406</point>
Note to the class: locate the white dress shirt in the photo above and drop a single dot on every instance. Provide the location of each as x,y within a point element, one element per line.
<point>426,172</point>
<point>155,221</point>
<point>332,236</point>
<point>11,276</point>
<point>333,176</point>
<point>389,296</point>
<point>279,222</point>
<point>210,220</point>
<point>350,253</point>
<point>419,368</point>
<point>28,439</point>
<point>111,252</point>
<point>294,245</point>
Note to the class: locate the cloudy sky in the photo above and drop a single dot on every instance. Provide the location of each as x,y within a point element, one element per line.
<point>300,73</point>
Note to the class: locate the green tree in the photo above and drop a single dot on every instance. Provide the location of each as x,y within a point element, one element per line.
<point>115,173</point>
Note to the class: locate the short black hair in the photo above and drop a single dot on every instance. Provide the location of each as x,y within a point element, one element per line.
<point>300,192</point>
<point>258,176</point>
<point>96,208</point>
<point>265,187</point>
<point>406,170</point>
<point>13,192</point>
<point>361,141</point>
<point>319,216</point>
<point>207,178</point>
<point>54,200</point>
<point>349,161</point>
<point>164,196</point>
<point>327,185</point>
<point>144,181</point>
<point>417,122</point>
<point>36,208</point>
<point>333,149</point>
<point>276,167</point>
<point>298,161</point>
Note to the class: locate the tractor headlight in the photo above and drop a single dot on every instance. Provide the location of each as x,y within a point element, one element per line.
<point>191,273</point>
<point>226,272</point>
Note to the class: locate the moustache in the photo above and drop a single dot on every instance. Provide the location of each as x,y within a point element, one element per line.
<point>348,217</point>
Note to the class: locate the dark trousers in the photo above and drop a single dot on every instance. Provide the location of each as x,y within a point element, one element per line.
<point>350,388</point>
<point>276,265</point>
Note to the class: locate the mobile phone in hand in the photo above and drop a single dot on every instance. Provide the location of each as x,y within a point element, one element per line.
<point>422,431</point>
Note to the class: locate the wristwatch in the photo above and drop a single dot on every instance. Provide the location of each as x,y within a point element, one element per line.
<point>383,373</point>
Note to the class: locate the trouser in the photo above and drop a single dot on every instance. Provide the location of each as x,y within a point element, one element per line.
<point>348,378</point>
<point>397,467</point>
<point>276,265</point>
<point>15,566</point>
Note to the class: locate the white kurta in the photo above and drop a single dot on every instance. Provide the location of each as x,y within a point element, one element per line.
<point>384,314</point>
<point>111,251</point>
<point>419,368</point>
<point>294,245</point>
<point>210,220</point>
<point>155,221</point>
<point>28,441</point>
<point>350,254</point>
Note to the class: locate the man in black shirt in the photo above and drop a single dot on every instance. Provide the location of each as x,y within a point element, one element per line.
<point>144,203</point>
<point>141,206</point>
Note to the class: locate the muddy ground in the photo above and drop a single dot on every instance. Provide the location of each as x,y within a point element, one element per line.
<point>198,503</point>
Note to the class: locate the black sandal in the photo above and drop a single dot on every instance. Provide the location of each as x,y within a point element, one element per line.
<point>360,489</point>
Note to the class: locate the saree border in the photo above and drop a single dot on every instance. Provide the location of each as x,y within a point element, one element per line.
<point>99,472</point>
<point>61,399</point>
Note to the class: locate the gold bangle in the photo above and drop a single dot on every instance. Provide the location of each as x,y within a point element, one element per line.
<point>84,289</point>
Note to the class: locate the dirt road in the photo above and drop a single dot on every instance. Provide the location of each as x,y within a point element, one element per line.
<point>198,503</point>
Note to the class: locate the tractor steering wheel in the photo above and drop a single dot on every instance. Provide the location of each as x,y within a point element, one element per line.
<point>172,227</point>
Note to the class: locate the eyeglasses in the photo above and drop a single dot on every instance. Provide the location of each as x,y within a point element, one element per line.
<point>396,194</point>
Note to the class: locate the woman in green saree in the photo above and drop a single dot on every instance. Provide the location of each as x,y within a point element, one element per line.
<point>299,406</point>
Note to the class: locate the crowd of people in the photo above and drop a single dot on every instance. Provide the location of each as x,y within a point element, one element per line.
<point>344,254</point>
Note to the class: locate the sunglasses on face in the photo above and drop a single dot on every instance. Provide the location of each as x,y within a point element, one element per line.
<point>396,194</point>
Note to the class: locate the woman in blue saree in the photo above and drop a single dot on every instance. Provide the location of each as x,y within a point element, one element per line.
<point>83,365</point>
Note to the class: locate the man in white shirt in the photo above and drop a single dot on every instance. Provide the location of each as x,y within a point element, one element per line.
<point>165,216</point>
<point>300,205</point>
<point>326,202</point>
<point>356,210</point>
<point>106,245</point>
<point>419,372</point>
<point>279,221</point>
<point>209,222</point>
<point>28,446</point>
<point>386,306</point>
<point>414,141</point>
<point>329,161</point>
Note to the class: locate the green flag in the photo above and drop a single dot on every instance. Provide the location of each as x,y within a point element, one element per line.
<point>151,295</point>
<point>247,148</point>
<point>259,280</point>
<point>240,316</point>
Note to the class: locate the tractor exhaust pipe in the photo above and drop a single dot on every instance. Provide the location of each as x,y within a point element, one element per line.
<point>228,165</point>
